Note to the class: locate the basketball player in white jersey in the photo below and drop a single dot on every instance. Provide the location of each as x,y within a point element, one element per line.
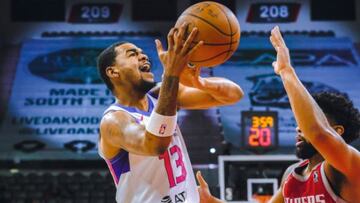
<point>139,138</point>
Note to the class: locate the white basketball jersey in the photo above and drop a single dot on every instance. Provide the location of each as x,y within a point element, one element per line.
<point>167,178</point>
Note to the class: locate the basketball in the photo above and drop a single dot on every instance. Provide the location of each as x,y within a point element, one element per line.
<point>218,28</point>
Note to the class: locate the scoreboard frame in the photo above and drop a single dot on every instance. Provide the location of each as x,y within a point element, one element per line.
<point>259,130</point>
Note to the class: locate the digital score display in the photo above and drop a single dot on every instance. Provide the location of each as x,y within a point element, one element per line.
<point>273,12</point>
<point>95,13</point>
<point>259,130</point>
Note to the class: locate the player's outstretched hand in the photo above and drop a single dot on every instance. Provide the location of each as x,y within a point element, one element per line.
<point>283,57</point>
<point>204,192</point>
<point>179,50</point>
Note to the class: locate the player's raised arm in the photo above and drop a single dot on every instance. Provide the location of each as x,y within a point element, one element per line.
<point>196,92</point>
<point>121,131</point>
<point>315,126</point>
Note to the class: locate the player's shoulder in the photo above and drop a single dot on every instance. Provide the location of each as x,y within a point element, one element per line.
<point>289,170</point>
<point>292,167</point>
<point>115,117</point>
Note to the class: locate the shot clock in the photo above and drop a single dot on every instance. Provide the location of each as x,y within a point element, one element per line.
<point>259,130</point>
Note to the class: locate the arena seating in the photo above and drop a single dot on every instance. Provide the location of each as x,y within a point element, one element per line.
<point>53,187</point>
<point>66,187</point>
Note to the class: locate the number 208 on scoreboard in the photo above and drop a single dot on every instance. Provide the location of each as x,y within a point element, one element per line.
<point>259,130</point>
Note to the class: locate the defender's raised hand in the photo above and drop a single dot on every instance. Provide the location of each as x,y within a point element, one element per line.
<point>179,50</point>
<point>283,57</point>
<point>204,192</point>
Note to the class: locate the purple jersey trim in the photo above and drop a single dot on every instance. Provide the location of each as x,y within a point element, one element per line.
<point>135,110</point>
<point>153,94</point>
<point>118,165</point>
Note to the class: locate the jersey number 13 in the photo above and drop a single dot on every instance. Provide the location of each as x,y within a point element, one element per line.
<point>171,152</point>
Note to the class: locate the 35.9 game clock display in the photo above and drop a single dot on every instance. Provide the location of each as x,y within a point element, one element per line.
<point>259,130</point>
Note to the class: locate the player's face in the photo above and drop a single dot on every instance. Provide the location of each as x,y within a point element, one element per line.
<point>304,150</point>
<point>134,66</point>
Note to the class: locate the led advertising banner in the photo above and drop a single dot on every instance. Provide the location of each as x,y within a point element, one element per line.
<point>58,98</point>
<point>322,64</point>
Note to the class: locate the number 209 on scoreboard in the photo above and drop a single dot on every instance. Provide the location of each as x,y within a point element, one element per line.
<point>259,130</point>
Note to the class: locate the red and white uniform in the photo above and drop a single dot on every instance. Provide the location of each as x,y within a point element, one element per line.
<point>314,188</point>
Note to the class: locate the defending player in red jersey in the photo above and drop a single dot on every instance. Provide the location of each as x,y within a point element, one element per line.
<point>327,122</point>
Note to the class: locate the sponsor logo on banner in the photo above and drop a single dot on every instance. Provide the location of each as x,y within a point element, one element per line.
<point>299,57</point>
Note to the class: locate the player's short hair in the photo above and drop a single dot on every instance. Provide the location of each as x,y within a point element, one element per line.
<point>340,109</point>
<point>106,59</point>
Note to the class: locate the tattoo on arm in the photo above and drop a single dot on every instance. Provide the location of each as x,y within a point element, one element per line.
<point>168,95</point>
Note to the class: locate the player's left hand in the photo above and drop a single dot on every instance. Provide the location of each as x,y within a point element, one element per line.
<point>178,52</point>
<point>191,77</point>
<point>283,57</point>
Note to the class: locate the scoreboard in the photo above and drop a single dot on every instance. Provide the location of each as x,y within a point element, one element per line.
<point>95,13</point>
<point>273,12</point>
